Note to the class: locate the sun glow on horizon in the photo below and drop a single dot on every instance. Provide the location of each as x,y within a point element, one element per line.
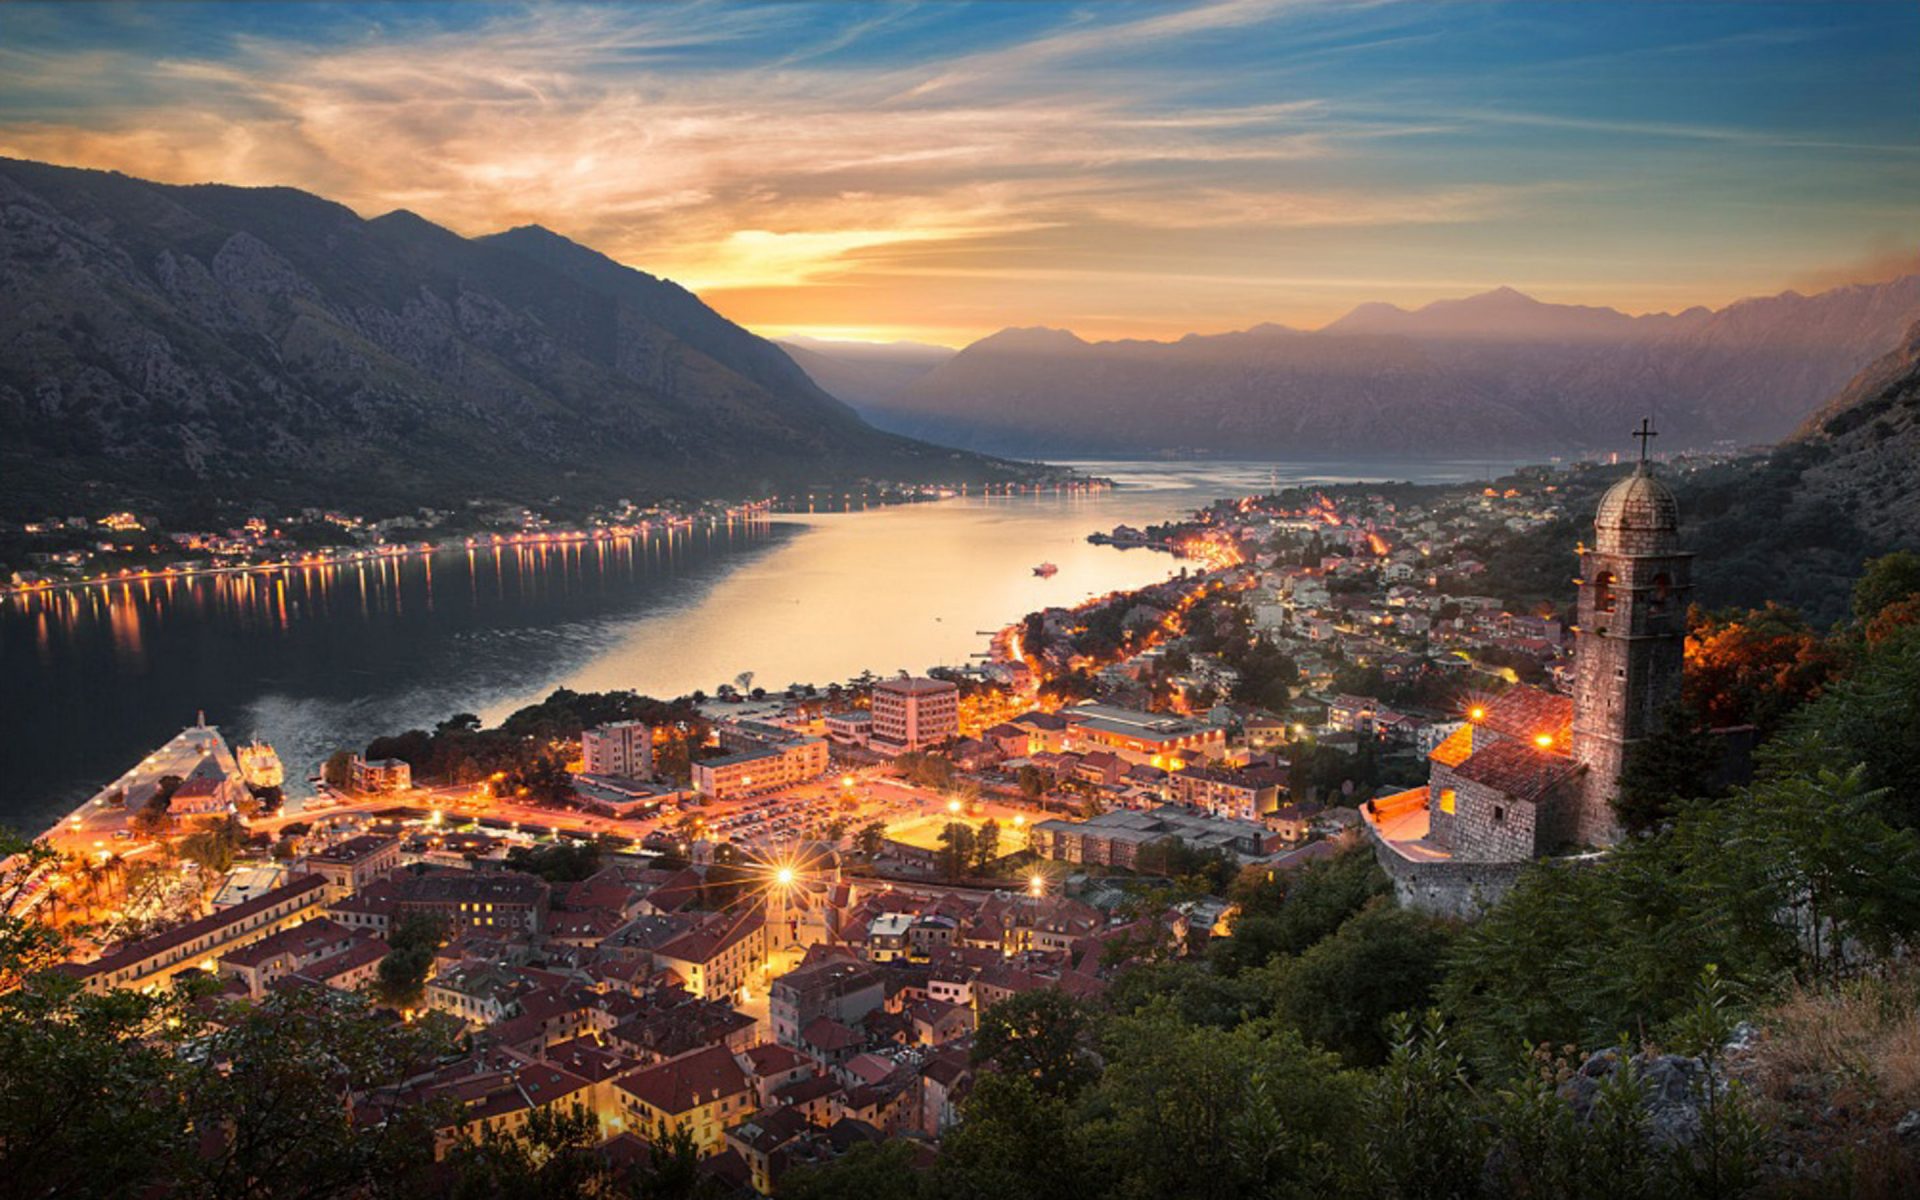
<point>1123,171</point>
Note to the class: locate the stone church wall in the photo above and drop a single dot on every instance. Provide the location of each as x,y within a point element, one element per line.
<point>1490,826</point>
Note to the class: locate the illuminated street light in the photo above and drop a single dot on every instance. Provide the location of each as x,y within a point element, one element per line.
<point>784,876</point>
<point>953,806</point>
<point>1036,885</point>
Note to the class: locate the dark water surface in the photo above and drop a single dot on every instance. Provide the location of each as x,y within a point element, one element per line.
<point>318,659</point>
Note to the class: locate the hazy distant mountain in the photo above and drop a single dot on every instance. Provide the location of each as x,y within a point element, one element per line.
<point>864,374</point>
<point>1496,373</point>
<point>1866,444</point>
<point>160,345</point>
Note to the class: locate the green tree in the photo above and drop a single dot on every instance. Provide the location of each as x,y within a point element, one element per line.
<point>1286,912</point>
<point>871,837</point>
<point>1886,580</point>
<point>1018,1143</point>
<point>1872,718</point>
<point>1420,1136</point>
<point>401,978</point>
<point>263,1098</point>
<point>956,849</point>
<point>1341,990</point>
<point>1039,1036</point>
<point>1676,762</point>
<point>986,845</point>
<point>869,1171</point>
<point>338,769</point>
<point>555,1154</point>
<point>1208,1114</point>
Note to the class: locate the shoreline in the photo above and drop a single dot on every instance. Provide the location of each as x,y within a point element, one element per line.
<point>759,510</point>
<point>84,817</point>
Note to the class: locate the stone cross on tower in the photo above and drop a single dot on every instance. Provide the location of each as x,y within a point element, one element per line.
<point>1646,434</point>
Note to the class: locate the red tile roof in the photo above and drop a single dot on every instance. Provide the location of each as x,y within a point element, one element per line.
<point>1527,712</point>
<point>687,1083</point>
<point>1518,769</point>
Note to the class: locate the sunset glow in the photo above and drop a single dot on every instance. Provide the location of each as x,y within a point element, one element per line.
<point>936,172</point>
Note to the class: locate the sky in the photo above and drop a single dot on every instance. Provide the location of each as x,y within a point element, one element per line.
<point>937,171</point>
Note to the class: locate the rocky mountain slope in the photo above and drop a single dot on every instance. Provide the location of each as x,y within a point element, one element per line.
<point>1497,373</point>
<point>1865,445</point>
<point>164,345</point>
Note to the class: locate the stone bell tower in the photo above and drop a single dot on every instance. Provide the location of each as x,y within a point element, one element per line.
<point>1630,640</point>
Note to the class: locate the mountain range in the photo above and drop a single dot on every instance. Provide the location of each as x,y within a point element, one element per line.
<point>1499,373</point>
<point>165,346</point>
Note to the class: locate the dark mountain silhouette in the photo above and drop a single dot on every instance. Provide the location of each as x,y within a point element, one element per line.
<point>164,344</point>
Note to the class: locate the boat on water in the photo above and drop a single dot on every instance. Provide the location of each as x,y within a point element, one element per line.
<point>259,765</point>
<point>1046,570</point>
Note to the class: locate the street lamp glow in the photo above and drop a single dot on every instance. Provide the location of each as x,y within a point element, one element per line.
<point>784,876</point>
<point>1036,885</point>
<point>953,806</point>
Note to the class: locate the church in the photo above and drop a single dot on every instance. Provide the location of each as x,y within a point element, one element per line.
<point>1532,773</point>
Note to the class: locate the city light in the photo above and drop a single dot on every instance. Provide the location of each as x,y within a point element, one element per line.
<point>1477,714</point>
<point>1036,885</point>
<point>1544,740</point>
<point>784,876</point>
<point>953,806</point>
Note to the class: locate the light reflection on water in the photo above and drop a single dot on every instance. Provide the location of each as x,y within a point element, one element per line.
<point>324,657</point>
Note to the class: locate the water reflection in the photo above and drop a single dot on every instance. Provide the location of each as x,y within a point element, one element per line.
<point>324,656</point>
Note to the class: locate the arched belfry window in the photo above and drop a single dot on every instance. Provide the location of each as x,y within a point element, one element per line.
<point>1662,592</point>
<point>1603,592</point>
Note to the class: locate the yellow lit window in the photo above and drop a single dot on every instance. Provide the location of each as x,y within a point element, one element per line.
<point>1446,800</point>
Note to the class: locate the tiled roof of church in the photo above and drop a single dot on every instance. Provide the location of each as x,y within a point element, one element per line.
<point>1518,769</point>
<point>1526,713</point>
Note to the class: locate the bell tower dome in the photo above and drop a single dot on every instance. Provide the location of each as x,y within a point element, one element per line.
<point>1630,637</point>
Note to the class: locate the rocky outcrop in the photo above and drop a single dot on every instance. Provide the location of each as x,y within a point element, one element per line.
<point>1866,444</point>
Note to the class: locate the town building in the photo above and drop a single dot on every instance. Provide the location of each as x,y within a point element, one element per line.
<point>352,865</point>
<point>1238,793</point>
<point>370,777</point>
<point>841,990</point>
<point>720,957</point>
<point>750,772</point>
<point>259,966</point>
<point>155,960</point>
<point>1155,739</point>
<point>702,1093</point>
<point>497,900</point>
<point>623,750</point>
<point>1115,838</point>
<point>912,713</point>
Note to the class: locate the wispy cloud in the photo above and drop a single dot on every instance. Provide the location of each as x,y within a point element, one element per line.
<point>788,157</point>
